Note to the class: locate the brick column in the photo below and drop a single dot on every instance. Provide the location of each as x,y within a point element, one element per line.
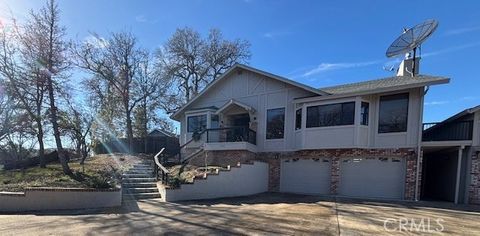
<point>410,176</point>
<point>274,174</point>
<point>474,188</point>
<point>335,175</point>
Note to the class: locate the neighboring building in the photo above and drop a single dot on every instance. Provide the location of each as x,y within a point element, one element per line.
<point>160,133</point>
<point>451,162</point>
<point>357,140</point>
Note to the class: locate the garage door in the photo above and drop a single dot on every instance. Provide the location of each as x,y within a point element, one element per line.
<point>372,177</point>
<point>310,176</point>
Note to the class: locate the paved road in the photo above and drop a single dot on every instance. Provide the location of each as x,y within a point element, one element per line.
<point>261,214</point>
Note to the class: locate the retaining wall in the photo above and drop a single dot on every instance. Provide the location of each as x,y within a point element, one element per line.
<point>247,179</point>
<point>35,199</point>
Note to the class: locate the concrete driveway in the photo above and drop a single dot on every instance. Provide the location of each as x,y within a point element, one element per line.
<point>260,214</point>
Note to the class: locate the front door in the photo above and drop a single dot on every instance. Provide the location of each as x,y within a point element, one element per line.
<point>240,131</point>
<point>242,120</point>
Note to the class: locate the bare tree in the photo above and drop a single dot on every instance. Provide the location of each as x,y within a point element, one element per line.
<point>5,113</point>
<point>49,50</point>
<point>23,77</point>
<point>191,62</point>
<point>77,124</point>
<point>149,87</point>
<point>102,102</point>
<point>117,64</point>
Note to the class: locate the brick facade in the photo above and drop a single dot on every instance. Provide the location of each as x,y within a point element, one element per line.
<point>223,158</point>
<point>474,188</point>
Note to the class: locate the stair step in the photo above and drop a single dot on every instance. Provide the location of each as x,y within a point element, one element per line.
<point>142,166</point>
<point>138,172</point>
<point>137,175</point>
<point>139,185</point>
<point>137,180</point>
<point>141,195</point>
<point>141,169</point>
<point>140,190</point>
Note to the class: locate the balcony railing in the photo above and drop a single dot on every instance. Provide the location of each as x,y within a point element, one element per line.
<point>450,131</point>
<point>231,134</point>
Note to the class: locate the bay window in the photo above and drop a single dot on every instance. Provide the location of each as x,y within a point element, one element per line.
<point>331,115</point>
<point>196,123</point>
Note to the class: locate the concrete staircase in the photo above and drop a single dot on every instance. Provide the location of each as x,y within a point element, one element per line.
<point>139,183</point>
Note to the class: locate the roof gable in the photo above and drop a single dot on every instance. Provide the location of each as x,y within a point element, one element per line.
<point>251,69</point>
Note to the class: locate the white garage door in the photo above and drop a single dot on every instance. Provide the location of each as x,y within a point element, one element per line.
<point>305,176</point>
<point>372,177</point>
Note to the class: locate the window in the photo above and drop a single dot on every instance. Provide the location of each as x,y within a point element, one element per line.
<point>275,123</point>
<point>393,113</point>
<point>214,121</point>
<point>196,123</point>
<point>331,115</point>
<point>364,113</point>
<point>298,119</point>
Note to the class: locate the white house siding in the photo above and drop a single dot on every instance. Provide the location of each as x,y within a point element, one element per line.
<point>360,136</point>
<point>329,137</point>
<point>260,93</point>
<point>363,136</point>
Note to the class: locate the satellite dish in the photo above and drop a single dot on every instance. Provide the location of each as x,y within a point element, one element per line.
<point>411,38</point>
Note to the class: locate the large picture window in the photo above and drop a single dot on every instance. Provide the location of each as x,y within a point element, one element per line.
<point>393,114</point>
<point>275,123</point>
<point>331,115</point>
<point>196,123</point>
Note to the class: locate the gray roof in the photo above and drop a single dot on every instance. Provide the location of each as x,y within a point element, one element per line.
<point>462,113</point>
<point>385,83</point>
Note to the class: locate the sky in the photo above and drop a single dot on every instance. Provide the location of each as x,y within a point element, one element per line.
<point>319,43</point>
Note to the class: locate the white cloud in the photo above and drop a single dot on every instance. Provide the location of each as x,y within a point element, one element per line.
<point>462,30</point>
<point>323,67</point>
<point>451,49</point>
<point>141,18</point>
<point>275,34</point>
<point>433,103</point>
<point>469,98</point>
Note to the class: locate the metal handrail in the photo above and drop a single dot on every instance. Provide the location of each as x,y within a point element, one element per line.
<point>160,169</point>
<point>158,162</point>
<point>246,134</point>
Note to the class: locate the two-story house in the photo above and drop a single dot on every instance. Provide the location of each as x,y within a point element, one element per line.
<point>357,140</point>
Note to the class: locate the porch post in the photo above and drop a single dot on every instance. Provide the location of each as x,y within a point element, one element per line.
<point>459,169</point>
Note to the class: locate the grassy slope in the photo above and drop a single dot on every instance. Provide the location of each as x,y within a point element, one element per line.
<point>99,172</point>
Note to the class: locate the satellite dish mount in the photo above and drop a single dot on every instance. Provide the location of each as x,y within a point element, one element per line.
<point>411,40</point>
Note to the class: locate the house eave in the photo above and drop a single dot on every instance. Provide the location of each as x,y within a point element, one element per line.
<point>373,91</point>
